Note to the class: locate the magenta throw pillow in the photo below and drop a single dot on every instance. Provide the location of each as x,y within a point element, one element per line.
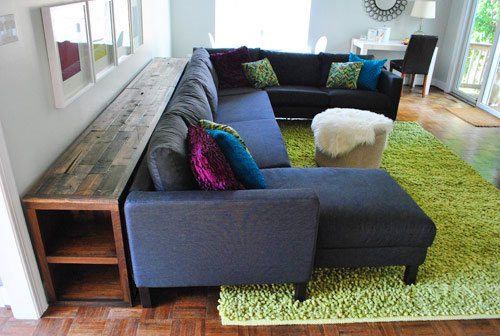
<point>229,69</point>
<point>209,165</point>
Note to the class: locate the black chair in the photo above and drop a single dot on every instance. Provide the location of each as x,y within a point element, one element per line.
<point>417,59</point>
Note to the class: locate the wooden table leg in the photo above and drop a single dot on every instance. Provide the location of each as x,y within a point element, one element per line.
<point>402,86</point>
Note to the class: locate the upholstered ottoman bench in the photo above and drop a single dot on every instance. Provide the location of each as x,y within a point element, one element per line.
<point>366,218</point>
<point>350,138</point>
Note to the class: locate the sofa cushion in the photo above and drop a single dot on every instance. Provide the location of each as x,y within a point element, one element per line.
<point>167,155</point>
<point>326,60</point>
<point>344,75</point>
<point>359,99</point>
<point>254,52</point>
<point>190,102</point>
<point>210,125</point>
<point>264,140</point>
<point>389,216</point>
<point>294,68</point>
<point>368,78</point>
<point>209,165</point>
<point>260,74</point>
<point>237,91</point>
<point>250,106</point>
<point>228,67</point>
<point>198,70</point>
<point>243,166</point>
<point>295,95</point>
<point>205,58</point>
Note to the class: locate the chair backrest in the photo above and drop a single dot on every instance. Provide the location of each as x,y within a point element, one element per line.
<point>212,40</point>
<point>320,45</point>
<point>419,53</point>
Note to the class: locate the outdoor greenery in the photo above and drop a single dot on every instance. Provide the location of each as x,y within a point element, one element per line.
<point>488,14</point>
<point>485,24</point>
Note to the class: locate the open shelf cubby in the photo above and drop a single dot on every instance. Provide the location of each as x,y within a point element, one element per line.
<point>74,236</point>
<point>76,282</point>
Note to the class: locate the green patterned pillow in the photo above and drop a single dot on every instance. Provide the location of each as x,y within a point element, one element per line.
<point>260,73</point>
<point>210,125</point>
<point>344,75</point>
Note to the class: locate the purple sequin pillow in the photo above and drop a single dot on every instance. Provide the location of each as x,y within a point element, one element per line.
<point>209,165</point>
<point>229,69</point>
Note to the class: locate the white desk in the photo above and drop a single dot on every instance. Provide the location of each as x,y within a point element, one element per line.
<point>392,45</point>
<point>365,45</point>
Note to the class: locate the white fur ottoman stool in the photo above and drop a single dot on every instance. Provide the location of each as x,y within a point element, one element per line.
<point>350,138</point>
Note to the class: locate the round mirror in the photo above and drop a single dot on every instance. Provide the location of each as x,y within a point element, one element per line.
<point>385,4</point>
<point>385,10</point>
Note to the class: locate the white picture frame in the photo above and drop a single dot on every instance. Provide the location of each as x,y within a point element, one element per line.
<point>103,39</point>
<point>88,39</point>
<point>136,21</point>
<point>68,51</point>
<point>123,29</point>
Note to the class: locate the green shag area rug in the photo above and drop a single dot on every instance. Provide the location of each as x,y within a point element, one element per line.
<point>460,278</point>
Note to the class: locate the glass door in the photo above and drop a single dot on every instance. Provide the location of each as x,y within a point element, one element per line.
<point>478,52</point>
<point>490,100</point>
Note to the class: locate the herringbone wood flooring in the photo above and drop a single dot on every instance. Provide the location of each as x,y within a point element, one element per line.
<point>193,311</point>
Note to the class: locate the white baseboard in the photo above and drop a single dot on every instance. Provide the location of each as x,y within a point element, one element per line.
<point>440,84</point>
<point>4,299</point>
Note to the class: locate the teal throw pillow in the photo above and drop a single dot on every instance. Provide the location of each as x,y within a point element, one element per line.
<point>344,75</point>
<point>368,77</point>
<point>242,164</point>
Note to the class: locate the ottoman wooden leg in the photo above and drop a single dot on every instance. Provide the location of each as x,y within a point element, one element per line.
<point>301,291</point>
<point>411,274</point>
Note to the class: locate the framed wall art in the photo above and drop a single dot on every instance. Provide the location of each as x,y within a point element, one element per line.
<point>136,15</point>
<point>122,29</point>
<point>68,49</point>
<point>88,39</point>
<point>101,30</point>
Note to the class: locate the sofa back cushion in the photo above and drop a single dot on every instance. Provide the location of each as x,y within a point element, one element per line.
<point>167,155</point>
<point>204,56</point>
<point>190,102</point>
<point>200,69</point>
<point>326,60</point>
<point>294,68</point>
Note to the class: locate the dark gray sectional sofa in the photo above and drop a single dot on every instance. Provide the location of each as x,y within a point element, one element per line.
<point>307,217</point>
<point>303,94</point>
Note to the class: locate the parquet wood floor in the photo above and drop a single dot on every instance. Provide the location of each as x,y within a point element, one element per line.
<point>193,311</point>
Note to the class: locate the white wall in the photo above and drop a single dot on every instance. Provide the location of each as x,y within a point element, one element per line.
<point>450,46</point>
<point>18,265</point>
<point>192,20</point>
<point>338,20</point>
<point>161,42</point>
<point>35,131</point>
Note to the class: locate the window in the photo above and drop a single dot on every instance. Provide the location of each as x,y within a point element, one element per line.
<point>269,24</point>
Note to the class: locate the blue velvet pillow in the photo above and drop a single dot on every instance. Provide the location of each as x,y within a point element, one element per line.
<point>244,167</point>
<point>368,77</point>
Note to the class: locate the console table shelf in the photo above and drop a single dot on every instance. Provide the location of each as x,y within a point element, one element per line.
<point>75,210</point>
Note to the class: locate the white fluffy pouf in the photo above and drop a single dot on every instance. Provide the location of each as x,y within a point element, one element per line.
<point>337,131</point>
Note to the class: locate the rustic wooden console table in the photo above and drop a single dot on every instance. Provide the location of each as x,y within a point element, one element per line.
<point>74,210</point>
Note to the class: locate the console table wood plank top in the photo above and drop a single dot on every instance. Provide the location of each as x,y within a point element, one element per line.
<point>74,210</point>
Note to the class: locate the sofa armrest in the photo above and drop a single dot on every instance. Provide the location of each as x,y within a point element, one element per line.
<point>391,85</point>
<point>211,238</point>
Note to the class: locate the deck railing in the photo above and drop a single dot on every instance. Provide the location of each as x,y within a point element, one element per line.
<point>475,66</point>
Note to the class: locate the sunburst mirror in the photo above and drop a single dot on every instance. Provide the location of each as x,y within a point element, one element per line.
<point>385,10</point>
